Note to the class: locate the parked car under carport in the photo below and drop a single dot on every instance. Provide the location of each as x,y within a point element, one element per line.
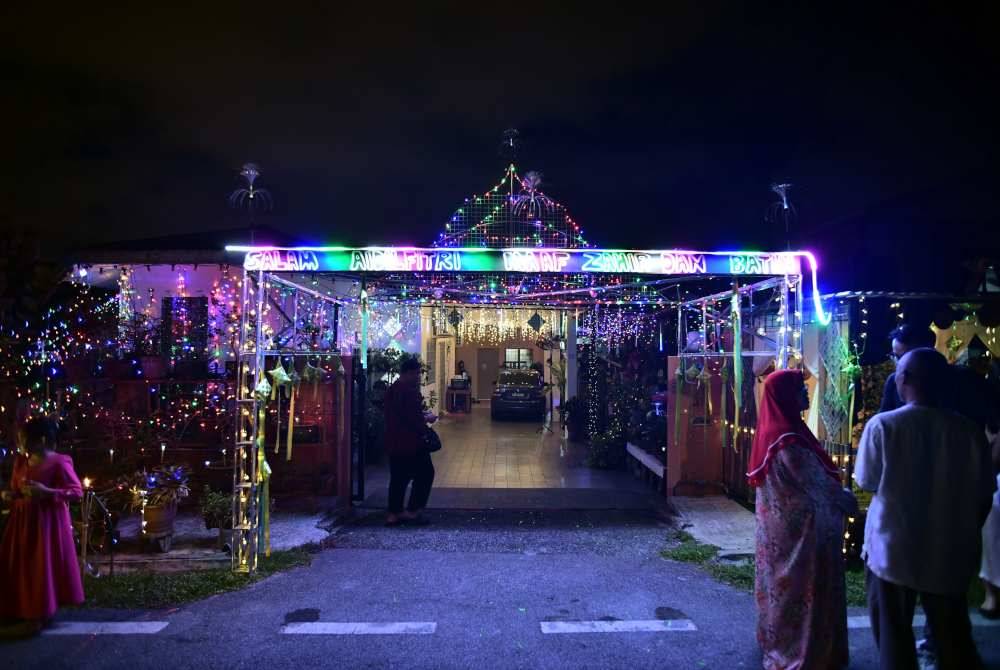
<point>518,393</point>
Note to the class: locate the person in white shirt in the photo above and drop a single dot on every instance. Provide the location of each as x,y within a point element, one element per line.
<point>930,471</point>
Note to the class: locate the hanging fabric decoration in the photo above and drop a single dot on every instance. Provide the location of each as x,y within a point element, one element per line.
<point>705,379</point>
<point>281,379</point>
<point>341,374</point>
<point>737,364</point>
<point>677,402</point>
<point>293,381</point>
<point>263,503</point>
<point>263,473</point>
<point>724,423</point>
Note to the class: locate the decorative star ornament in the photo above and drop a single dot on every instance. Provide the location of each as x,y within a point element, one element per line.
<point>263,390</point>
<point>536,321</point>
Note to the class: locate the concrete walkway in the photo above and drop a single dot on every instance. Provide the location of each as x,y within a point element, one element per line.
<point>719,521</point>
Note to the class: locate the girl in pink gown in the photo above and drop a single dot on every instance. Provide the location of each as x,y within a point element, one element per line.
<point>39,571</point>
<point>800,590</point>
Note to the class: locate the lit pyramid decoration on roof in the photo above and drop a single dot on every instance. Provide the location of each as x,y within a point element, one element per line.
<point>514,213</point>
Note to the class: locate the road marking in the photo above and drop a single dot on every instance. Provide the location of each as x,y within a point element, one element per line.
<point>359,628</point>
<point>105,627</point>
<point>640,626</point>
<point>919,620</point>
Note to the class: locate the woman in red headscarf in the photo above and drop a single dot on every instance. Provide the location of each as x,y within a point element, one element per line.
<point>800,591</point>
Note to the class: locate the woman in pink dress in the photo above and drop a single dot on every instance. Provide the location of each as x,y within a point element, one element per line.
<point>800,590</point>
<point>39,571</point>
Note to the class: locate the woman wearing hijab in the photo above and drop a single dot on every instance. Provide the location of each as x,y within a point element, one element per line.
<point>800,590</point>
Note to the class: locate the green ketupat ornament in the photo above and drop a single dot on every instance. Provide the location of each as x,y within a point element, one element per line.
<point>263,390</point>
<point>313,375</point>
<point>280,378</point>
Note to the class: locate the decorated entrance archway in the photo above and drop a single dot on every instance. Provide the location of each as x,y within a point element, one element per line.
<point>510,248</point>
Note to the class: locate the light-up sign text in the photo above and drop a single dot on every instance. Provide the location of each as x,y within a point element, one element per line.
<point>281,260</point>
<point>571,261</point>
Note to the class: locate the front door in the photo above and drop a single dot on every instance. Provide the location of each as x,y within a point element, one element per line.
<point>487,368</point>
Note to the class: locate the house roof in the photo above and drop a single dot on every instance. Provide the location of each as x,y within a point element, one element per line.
<point>201,247</point>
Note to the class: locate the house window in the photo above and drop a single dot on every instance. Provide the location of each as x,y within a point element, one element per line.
<point>517,358</point>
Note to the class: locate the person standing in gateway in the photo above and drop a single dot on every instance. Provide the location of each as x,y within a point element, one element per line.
<point>409,460</point>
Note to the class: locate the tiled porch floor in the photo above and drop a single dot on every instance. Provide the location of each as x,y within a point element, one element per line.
<point>480,453</point>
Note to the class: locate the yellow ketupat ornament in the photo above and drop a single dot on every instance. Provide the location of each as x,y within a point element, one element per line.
<point>279,377</point>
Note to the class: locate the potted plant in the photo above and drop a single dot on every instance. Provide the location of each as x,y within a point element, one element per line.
<point>217,511</point>
<point>155,495</point>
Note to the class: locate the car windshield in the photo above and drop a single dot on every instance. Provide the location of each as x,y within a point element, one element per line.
<point>518,378</point>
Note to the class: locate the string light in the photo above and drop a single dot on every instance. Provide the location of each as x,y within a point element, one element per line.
<point>514,213</point>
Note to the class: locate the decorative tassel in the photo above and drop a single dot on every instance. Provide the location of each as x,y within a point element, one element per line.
<point>291,426</point>
<point>677,403</point>
<point>724,424</point>
<point>277,424</point>
<point>737,366</point>
<point>263,504</point>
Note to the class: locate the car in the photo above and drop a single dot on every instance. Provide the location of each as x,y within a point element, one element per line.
<point>518,393</point>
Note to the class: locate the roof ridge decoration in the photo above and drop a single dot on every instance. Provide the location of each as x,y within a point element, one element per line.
<point>514,213</point>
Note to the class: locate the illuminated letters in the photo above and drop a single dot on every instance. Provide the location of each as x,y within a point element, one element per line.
<point>407,260</point>
<point>528,260</point>
<point>667,263</point>
<point>276,260</point>
<point>755,264</point>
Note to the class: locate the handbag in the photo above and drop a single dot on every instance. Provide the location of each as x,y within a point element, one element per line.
<point>431,440</point>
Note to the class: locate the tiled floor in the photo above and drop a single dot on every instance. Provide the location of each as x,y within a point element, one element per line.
<point>481,453</point>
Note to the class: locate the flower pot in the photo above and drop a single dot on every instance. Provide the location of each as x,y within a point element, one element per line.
<point>159,524</point>
<point>153,367</point>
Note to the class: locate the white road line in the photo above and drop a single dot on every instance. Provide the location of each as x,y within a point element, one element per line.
<point>919,620</point>
<point>105,627</point>
<point>640,626</point>
<point>359,628</point>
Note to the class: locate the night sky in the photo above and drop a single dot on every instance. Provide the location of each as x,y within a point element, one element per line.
<point>656,131</point>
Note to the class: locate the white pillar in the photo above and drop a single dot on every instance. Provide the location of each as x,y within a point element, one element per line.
<point>571,389</point>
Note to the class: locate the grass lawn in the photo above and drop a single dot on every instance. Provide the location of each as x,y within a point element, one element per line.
<point>686,549</point>
<point>740,574</point>
<point>153,590</point>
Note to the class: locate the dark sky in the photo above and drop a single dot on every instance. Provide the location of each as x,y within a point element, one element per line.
<point>656,131</point>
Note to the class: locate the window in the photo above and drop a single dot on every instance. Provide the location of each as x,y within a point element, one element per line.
<point>517,358</point>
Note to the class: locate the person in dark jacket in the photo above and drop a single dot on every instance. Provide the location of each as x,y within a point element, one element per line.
<point>409,460</point>
<point>904,339</point>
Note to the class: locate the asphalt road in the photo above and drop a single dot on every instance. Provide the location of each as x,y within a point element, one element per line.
<point>487,583</point>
